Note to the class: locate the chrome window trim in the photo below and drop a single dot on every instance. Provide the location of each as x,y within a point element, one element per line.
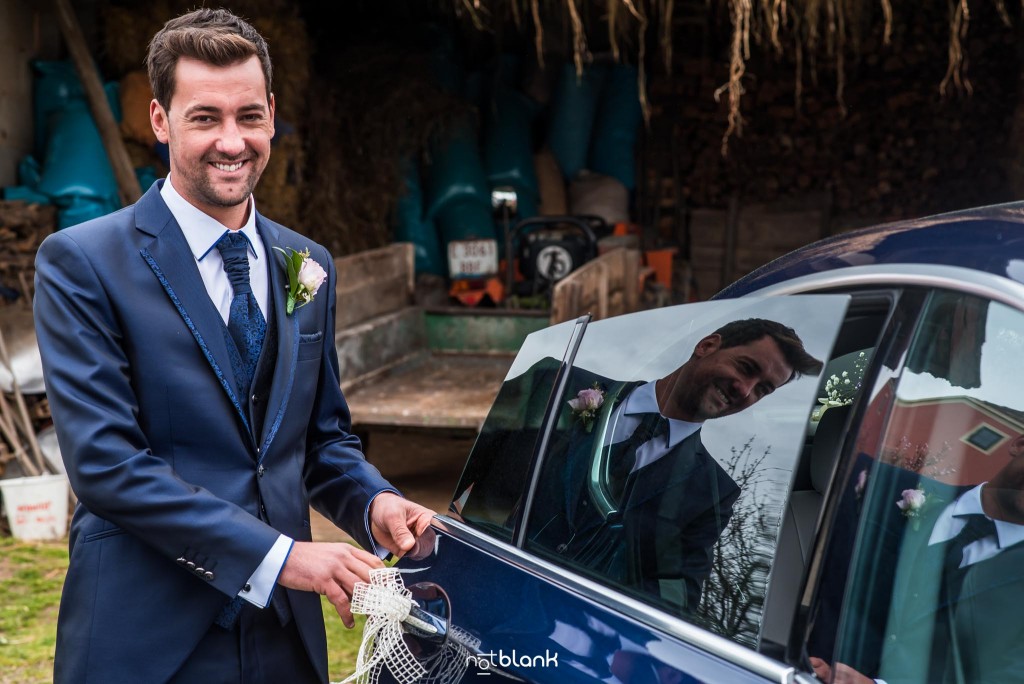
<point>979,283</point>
<point>709,642</point>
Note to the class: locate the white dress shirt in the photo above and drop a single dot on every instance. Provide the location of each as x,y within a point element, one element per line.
<point>202,232</point>
<point>950,522</point>
<point>627,418</point>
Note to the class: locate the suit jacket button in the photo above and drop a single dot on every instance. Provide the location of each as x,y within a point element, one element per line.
<point>208,576</point>
<point>180,561</point>
<point>200,571</point>
<point>247,587</point>
<point>190,565</point>
<point>255,399</point>
<point>260,470</point>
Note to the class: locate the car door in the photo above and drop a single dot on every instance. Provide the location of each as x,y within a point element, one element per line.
<point>665,584</point>
<point>901,594</point>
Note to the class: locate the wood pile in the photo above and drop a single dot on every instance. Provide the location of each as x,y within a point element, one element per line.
<point>22,227</point>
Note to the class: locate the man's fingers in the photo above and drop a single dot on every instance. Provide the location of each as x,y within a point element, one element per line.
<point>341,603</point>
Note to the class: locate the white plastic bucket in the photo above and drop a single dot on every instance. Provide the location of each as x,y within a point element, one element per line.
<point>36,507</point>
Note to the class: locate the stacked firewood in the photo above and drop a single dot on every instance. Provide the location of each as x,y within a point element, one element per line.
<point>23,414</point>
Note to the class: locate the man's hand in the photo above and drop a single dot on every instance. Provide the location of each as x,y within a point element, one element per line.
<point>841,674</point>
<point>330,569</point>
<point>397,523</point>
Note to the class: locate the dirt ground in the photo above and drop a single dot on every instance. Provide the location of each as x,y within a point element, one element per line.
<point>425,466</point>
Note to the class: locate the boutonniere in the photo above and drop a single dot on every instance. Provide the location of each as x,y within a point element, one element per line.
<point>911,502</point>
<point>305,276</point>
<point>586,405</point>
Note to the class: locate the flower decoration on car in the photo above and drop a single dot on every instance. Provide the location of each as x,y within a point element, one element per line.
<point>841,389</point>
<point>305,276</point>
<point>586,405</point>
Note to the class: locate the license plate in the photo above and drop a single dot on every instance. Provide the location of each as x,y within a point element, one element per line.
<point>472,258</point>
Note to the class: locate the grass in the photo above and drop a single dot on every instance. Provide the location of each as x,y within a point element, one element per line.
<point>31,578</point>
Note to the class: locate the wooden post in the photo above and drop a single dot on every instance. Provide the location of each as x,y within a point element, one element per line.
<point>127,183</point>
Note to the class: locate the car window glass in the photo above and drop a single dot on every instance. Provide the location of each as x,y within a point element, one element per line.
<point>925,589</point>
<point>685,520</point>
<point>497,470</point>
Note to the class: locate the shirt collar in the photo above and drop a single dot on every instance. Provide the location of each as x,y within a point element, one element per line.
<point>969,503</point>
<point>643,399</point>
<point>201,230</point>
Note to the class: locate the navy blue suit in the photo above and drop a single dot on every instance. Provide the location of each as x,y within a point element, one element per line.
<point>159,446</point>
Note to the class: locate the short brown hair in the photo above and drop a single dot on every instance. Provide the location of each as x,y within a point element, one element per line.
<point>750,330</point>
<point>213,36</point>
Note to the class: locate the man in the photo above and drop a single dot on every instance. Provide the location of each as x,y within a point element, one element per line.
<point>198,415</point>
<point>653,515</point>
<point>957,567</point>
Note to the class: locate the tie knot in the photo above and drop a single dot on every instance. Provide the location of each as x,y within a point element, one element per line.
<point>234,251</point>
<point>651,425</point>
<point>978,526</point>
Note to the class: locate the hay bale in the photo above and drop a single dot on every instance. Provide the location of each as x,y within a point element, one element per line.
<point>279,193</point>
<point>135,98</point>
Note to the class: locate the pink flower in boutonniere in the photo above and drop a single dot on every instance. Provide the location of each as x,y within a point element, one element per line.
<point>862,481</point>
<point>911,502</point>
<point>305,276</point>
<point>586,405</point>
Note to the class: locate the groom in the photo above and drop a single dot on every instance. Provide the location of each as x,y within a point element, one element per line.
<point>198,415</point>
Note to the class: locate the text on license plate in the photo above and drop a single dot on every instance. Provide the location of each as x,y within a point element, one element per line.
<point>471,258</point>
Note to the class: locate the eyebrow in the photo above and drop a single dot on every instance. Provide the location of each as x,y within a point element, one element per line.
<point>210,109</point>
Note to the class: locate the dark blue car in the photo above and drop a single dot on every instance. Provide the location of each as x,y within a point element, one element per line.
<point>818,529</point>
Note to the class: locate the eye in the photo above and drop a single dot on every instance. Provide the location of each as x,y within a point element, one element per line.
<point>202,119</point>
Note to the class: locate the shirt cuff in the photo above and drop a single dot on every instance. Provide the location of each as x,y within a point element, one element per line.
<point>260,586</point>
<point>378,551</point>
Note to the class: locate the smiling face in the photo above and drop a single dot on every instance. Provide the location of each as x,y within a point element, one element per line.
<point>718,382</point>
<point>218,128</point>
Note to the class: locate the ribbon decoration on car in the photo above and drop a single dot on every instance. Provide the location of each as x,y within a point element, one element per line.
<point>386,604</point>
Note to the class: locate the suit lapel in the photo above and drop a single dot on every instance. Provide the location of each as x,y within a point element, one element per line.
<point>676,467</point>
<point>287,335</point>
<point>174,265</point>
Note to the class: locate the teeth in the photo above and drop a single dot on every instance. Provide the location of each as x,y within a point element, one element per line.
<point>228,167</point>
<point>725,399</point>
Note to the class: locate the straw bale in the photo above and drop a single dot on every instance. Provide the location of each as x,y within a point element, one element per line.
<point>135,98</point>
<point>377,105</point>
<point>279,192</point>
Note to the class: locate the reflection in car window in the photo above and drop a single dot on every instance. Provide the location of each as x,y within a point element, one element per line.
<point>497,470</point>
<point>932,577</point>
<point>667,472</point>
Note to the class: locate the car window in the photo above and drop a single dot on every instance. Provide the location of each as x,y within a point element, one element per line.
<point>494,479</point>
<point>926,561</point>
<point>682,514</point>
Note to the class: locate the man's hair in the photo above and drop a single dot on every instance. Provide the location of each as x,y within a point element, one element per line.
<point>750,330</point>
<point>213,36</point>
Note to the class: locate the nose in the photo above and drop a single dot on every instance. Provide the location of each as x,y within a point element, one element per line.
<point>230,142</point>
<point>743,387</point>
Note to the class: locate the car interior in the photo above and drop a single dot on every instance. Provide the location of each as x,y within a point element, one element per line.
<point>862,328</point>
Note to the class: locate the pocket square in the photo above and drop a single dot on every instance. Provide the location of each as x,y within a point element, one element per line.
<point>311,337</point>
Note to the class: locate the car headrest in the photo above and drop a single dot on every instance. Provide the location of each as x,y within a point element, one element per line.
<point>828,440</point>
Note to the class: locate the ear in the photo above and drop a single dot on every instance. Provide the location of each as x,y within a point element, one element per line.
<point>273,107</point>
<point>708,345</point>
<point>158,120</point>
<point>1017,446</point>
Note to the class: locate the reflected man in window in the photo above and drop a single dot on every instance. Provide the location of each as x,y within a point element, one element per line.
<point>644,501</point>
<point>954,613</point>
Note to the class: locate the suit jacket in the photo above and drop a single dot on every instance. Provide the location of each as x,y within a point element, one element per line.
<point>895,625</point>
<point>159,448</point>
<point>660,540</point>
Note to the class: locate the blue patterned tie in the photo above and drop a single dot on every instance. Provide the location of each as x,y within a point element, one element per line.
<point>245,322</point>
<point>247,328</point>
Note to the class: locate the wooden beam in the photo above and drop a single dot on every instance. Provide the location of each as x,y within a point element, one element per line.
<point>127,183</point>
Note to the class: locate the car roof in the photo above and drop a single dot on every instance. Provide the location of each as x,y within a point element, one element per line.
<point>986,239</point>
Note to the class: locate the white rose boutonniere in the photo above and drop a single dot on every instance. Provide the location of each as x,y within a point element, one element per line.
<point>586,405</point>
<point>305,276</point>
